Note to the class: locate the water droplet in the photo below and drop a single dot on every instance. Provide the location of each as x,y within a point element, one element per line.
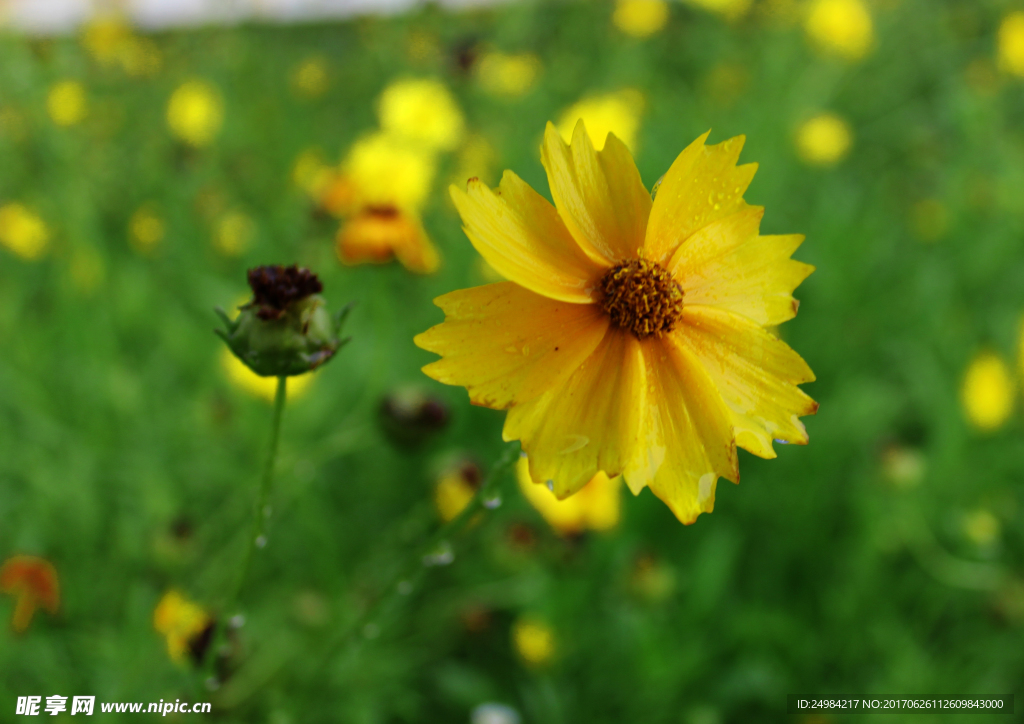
<point>551,485</point>
<point>782,442</point>
<point>261,541</point>
<point>526,349</point>
<point>237,621</point>
<point>404,588</point>
<point>371,630</point>
<point>442,555</point>
<point>492,502</point>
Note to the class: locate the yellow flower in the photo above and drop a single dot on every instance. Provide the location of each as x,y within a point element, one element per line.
<point>631,336</point>
<point>617,113</point>
<point>145,230</point>
<point>640,18</point>
<point>981,527</point>
<point>422,111</point>
<point>105,37</point>
<point>262,387</point>
<point>841,27</point>
<point>385,171</point>
<point>1011,43</point>
<point>181,622</point>
<point>729,9</point>
<point>378,234</point>
<point>534,641</point>
<point>66,103</point>
<point>233,233</point>
<point>195,113</point>
<point>455,489</point>
<point>310,78</point>
<point>22,231</point>
<point>987,392</point>
<point>824,140</point>
<point>508,75</point>
<point>597,506</point>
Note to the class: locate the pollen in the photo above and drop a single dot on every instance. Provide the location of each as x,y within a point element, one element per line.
<point>643,297</point>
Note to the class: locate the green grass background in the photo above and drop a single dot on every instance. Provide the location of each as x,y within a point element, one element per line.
<point>810,577</point>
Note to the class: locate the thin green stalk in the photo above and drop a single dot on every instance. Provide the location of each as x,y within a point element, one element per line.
<point>258,537</point>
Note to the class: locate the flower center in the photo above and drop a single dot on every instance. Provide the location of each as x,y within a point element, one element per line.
<point>643,297</point>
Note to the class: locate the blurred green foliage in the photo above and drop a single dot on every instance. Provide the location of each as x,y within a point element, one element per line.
<point>129,461</point>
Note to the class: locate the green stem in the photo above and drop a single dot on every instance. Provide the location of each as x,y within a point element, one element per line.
<point>258,537</point>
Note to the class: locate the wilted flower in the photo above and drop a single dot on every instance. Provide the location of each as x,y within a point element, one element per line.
<point>187,627</point>
<point>617,113</point>
<point>988,391</point>
<point>631,337</point>
<point>33,582</point>
<point>456,488</point>
<point>597,506</point>
<point>640,18</point>
<point>508,74</point>
<point>66,103</point>
<point>195,113</point>
<point>409,416</point>
<point>1011,43</point>
<point>824,140</point>
<point>310,79</point>
<point>422,111</point>
<point>534,641</point>
<point>22,231</point>
<point>285,330</point>
<point>145,230</point>
<point>841,27</point>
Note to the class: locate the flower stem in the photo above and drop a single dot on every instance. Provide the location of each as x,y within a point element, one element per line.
<point>258,538</point>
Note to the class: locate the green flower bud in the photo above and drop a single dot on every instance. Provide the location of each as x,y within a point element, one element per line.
<point>286,329</point>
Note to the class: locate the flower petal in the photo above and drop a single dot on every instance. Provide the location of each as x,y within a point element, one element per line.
<point>727,265</point>
<point>687,441</point>
<point>704,184</point>
<point>507,345</point>
<point>587,423</point>
<point>756,373</point>
<point>521,235</point>
<point>599,196</point>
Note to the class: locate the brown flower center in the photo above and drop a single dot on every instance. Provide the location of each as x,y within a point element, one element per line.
<point>643,297</point>
<point>275,287</point>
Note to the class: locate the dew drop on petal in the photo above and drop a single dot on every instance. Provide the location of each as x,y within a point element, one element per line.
<point>442,555</point>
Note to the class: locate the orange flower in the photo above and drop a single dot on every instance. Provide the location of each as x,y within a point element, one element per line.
<point>34,582</point>
<point>378,233</point>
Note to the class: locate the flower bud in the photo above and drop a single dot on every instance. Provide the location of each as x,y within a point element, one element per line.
<point>286,329</point>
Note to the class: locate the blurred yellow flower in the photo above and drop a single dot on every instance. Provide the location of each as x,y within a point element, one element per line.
<point>66,103</point>
<point>455,489</point>
<point>477,157</point>
<point>422,111</point>
<point>87,270</point>
<point>640,18</point>
<point>145,230</point>
<point>376,234</point>
<point>597,506</point>
<point>981,527</point>
<point>22,231</point>
<point>105,36</point>
<point>385,171</point>
<point>508,75</point>
<point>311,174</point>
<point>841,27</point>
<point>423,46</point>
<point>617,113</point>
<point>988,392</point>
<point>1011,43</point>
<point>233,233</point>
<point>824,140</point>
<point>903,466</point>
<point>140,57</point>
<point>262,387</point>
<point>929,219</point>
<point>181,622</point>
<point>729,9</point>
<point>195,113</point>
<point>534,641</point>
<point>310,78</point>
